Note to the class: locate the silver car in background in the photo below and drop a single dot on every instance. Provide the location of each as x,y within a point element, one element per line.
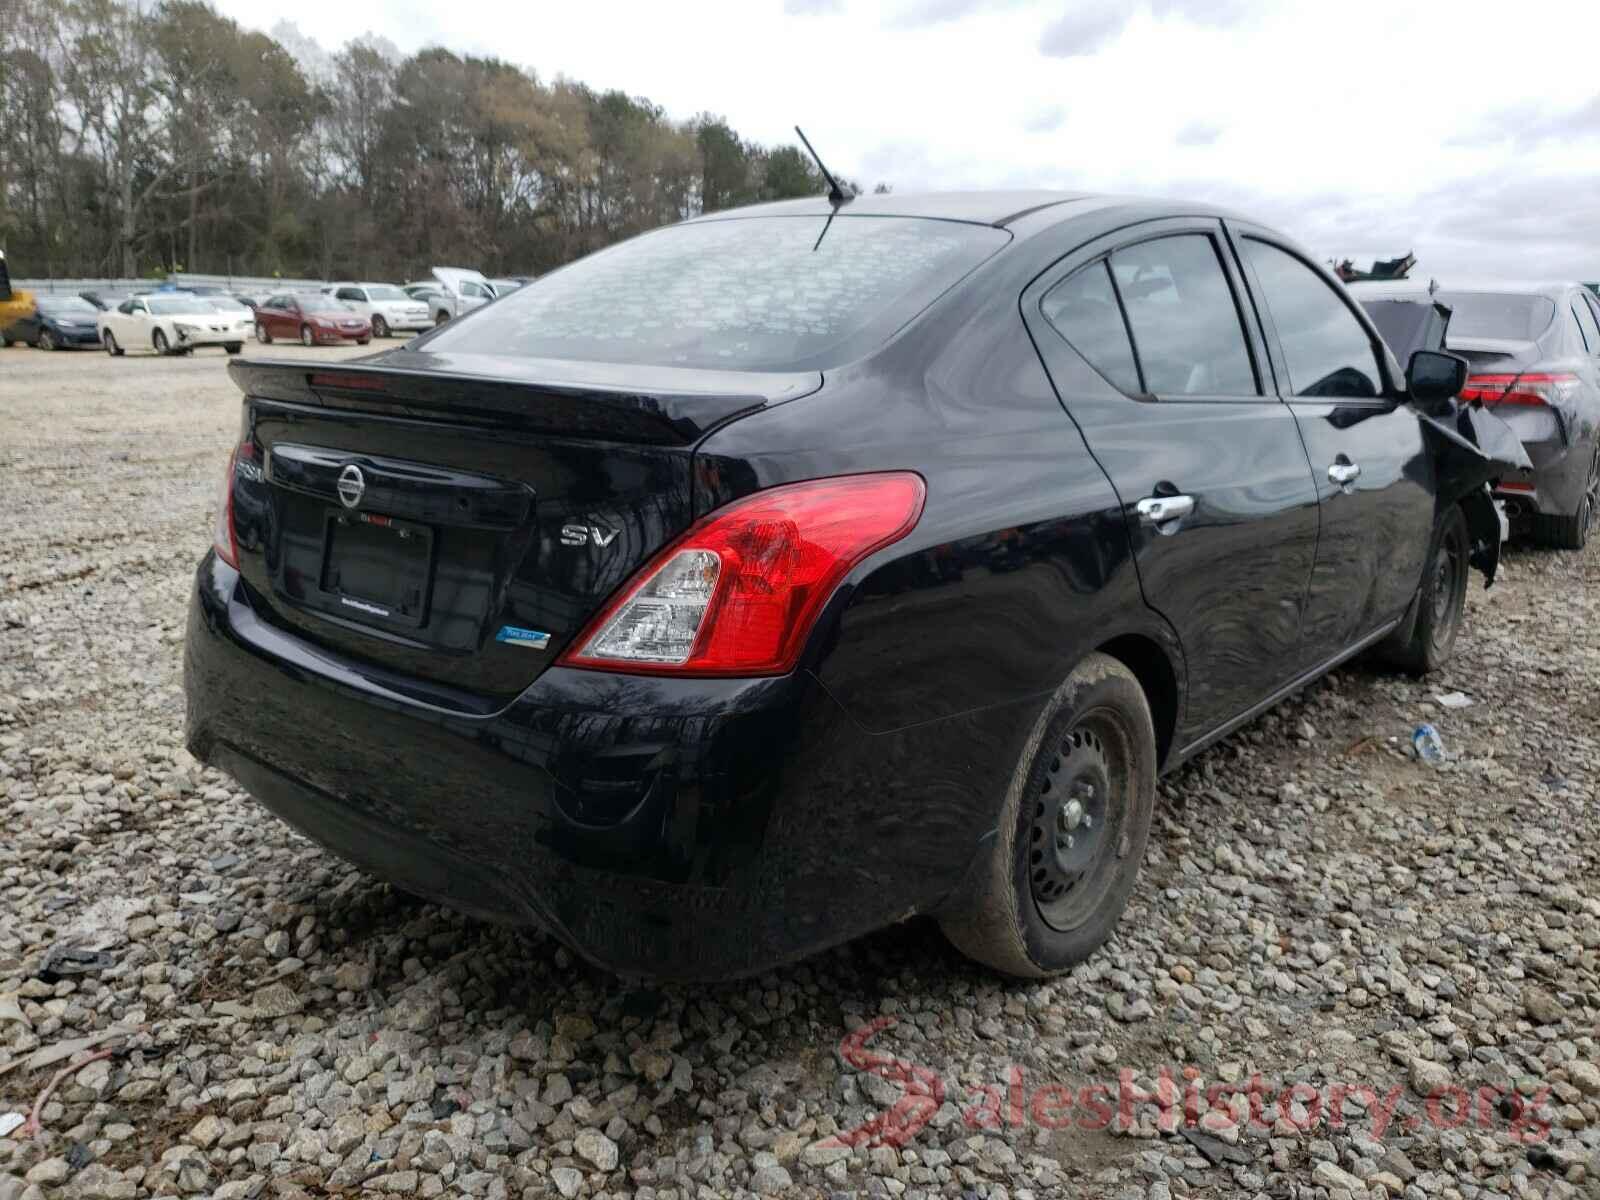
<point>1534,356</point>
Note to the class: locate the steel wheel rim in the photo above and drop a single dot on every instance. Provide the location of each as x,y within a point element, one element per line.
<point>1591,495</point>
<point>1078,830</point>
<point>1444,578</point>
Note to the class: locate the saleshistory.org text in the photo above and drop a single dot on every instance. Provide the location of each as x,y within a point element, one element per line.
<point>1177,1100</point>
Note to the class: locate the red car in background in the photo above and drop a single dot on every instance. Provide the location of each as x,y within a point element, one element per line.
<point>312,318</point>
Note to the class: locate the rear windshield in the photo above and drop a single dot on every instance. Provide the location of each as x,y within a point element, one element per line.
<point>751,293</point>
<point>1496,315</point>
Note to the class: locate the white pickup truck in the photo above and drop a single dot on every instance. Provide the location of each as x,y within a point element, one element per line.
<point>451,292</point>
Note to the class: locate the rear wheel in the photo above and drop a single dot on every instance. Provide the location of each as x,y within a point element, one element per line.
<point>262,335</point>
<point>158,340</point>
<point>234,347</point>
<point>1571,532</point>
<point>305,336</point>
<point>380,327</point>
<point>110,341</point>
<point>1072,832</point>
<point>440,317</point>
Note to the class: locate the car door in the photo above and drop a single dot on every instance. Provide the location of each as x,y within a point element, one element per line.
<point>356,298</point>
<point>286,321</point>
<point>1207,463</point>
<point>1373,472</point>
<point>134,330</point>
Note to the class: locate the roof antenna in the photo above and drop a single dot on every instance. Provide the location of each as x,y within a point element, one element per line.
<point>836,194</point>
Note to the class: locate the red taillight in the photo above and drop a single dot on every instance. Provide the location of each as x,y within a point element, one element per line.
<point>739,593</point>
<point>1528,389</point>
<point>222,539</point>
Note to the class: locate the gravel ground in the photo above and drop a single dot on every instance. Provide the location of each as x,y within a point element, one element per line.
<point>1317,910</point>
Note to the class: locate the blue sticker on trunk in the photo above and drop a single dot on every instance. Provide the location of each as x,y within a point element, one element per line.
<point>530,638</point>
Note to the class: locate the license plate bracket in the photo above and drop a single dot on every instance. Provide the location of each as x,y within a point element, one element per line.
<point>376,569</point>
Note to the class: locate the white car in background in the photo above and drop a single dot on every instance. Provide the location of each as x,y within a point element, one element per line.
<point>388,308</point>
<point>172,323</point>
<point>451,292</point>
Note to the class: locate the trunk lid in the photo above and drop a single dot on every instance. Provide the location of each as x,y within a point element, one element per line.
<point>455,520</point>
<point>1493,354</point>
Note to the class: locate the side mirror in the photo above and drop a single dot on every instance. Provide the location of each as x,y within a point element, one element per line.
<point>1433,376</point>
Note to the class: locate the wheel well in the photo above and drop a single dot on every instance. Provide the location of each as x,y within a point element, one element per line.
<point>1153,670</point>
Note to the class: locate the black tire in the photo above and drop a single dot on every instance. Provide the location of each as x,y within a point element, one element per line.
<point>234,347</point>
<point>363,341</point>
<point>306,338</point>
<point>1571,531</point>
<point>8,342</point>
<point>262,335</point>
<point>1441,601</point>
<point>380,327</point>
<point>47,340</point>
<point>158,342</point>
<point>440,317</point>
<point>1054,884</point>
<point>109,340</point>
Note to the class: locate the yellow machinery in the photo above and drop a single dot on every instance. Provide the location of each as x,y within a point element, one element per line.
<point>13,305</point>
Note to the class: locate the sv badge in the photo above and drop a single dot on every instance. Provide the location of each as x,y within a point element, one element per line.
<point>582,535</point>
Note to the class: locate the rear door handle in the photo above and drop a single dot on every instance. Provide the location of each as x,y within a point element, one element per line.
<point>1164,512</point>
<point>1344,473</point>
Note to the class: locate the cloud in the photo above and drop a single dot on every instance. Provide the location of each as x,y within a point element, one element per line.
<point>915,14</point>
<point>1084,30</point>
<point>1198,133</point>
<point>1045,120</point>
<point>1091,25</point>
<point>1525,125</point>
<point>1214,14</point>
<point>812,8</point>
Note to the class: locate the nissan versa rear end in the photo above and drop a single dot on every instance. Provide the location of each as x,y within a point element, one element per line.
<point>752,584</point>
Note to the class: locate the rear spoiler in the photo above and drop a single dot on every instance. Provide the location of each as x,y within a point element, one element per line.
<point>667,406</point>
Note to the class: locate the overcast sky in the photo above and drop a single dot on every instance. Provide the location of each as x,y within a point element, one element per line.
<point>1468,132</point>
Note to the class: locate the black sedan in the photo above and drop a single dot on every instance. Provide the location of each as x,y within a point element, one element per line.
<point>56,323</point>
<point>1535,361</point>
<point>775,576</point>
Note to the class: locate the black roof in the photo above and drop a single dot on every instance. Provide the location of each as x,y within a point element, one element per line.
<point>984,208</point>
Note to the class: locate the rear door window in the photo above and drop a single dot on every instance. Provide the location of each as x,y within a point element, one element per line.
<point>1327,350</point>
<point>745,293</point>
<point>1187,331</point>
<point>1083,309</point>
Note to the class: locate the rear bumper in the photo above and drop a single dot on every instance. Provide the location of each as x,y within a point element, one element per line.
<point>1555,485</point>
<point>688,829</point>
<point>1560,452</point>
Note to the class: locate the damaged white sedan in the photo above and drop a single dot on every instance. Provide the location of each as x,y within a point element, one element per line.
<point>172,323</point>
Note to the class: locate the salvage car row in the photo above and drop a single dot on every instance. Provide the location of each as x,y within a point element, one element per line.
<point>172,320</point>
